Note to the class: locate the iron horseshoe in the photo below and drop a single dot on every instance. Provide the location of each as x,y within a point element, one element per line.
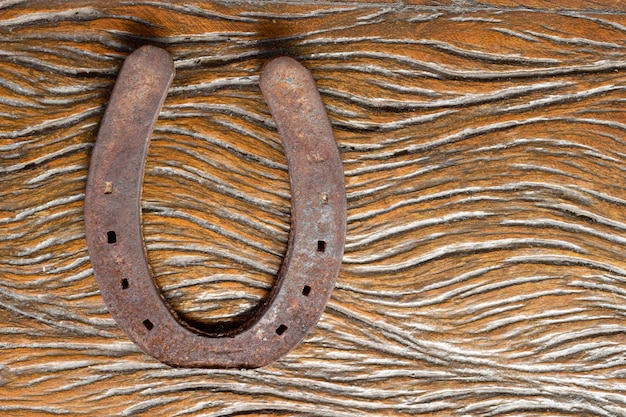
<point>113,220</point>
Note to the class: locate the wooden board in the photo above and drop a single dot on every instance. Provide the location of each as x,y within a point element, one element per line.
<point>483,147</point>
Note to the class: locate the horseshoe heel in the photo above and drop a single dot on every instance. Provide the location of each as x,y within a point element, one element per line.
<point>113,220</point>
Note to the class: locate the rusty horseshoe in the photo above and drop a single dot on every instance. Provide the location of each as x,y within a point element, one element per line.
<point>113,220</point>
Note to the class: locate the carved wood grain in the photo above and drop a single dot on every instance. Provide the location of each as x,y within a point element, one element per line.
<point>483,147</point>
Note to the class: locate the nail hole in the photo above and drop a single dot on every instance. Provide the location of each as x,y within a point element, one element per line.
<point>124,283</point>
<point>148,324</point>
<point>111,236</point>
<point>306,290</point>
<point>321,246</point>
<point>281,329</point>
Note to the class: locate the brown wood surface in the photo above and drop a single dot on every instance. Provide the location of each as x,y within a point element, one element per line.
<point>483,147</point>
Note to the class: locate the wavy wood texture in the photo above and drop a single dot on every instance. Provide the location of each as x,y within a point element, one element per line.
<point>484,156</point>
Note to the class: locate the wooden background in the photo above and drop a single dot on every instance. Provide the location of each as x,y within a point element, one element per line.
<point>484,153</point>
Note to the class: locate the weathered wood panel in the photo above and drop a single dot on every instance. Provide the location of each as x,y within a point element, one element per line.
<point>484,156</point>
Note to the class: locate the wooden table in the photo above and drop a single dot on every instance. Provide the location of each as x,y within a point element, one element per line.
<point>483,145</point>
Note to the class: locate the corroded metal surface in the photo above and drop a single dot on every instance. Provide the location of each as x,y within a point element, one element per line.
<point>113,220</point>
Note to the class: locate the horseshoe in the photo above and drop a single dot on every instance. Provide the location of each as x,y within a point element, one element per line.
<point>113,220</point>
